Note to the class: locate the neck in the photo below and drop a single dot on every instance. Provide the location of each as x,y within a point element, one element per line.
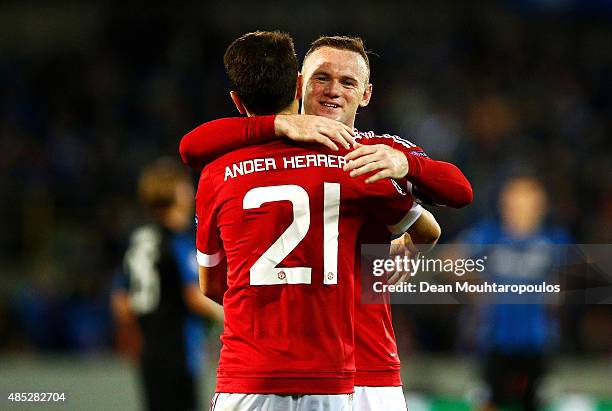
<point>292,108</point>
<point>289,110</point>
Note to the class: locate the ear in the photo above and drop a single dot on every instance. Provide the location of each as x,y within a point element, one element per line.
<point>300,82</point>
<point>237,102</point>
<point>367,95</point>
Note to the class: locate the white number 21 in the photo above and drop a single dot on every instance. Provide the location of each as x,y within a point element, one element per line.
<point>265,270</point>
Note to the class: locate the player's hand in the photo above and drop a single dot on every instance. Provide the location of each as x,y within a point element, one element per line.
<point>365,159</point>
<point>308,128</point>
<point>402,246</point>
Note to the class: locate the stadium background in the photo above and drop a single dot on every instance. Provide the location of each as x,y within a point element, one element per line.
<point>91,91</point>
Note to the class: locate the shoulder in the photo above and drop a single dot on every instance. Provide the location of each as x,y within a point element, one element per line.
<point>183,243</point>
<point>146,232</point>
<point>145,237</point>
<point>371,137</point>
<point>365,136</point>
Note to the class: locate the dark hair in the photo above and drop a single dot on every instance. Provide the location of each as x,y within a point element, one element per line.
<point>262,68</point>
<point>351,43</point>
<point>158,181</point>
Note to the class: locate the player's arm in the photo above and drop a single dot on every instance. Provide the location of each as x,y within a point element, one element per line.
<point>128,339</point>
<point>424,234</point>
<point>388,203</point>
<point>120,306</point>
<point>212,265</point>
<point>194,300</point>
<point>201,304</point>
<point>215,138</point>
<point>210,255</point>
<point>212,282</point>
<point>203,144</point>
<point>120,300</point>
<point>439,182</point>
<point>421,237</point>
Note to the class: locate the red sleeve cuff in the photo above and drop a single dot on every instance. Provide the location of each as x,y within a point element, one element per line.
<point>260,129</point>
<point>414,166</point>
<point>442,181</point>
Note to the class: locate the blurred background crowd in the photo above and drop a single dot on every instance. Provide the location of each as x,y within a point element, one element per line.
<point>92,91</point>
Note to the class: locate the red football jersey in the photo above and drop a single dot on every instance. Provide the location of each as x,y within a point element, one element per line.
<point>437,182</point>
<point>287,218</point>
<point>376,356</point>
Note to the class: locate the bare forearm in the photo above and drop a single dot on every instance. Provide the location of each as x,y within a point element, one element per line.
<point>201,305</point>
<point>121,307</point>
<point>424,233</point>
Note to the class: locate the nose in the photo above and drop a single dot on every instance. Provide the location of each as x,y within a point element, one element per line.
<point>332,89</point>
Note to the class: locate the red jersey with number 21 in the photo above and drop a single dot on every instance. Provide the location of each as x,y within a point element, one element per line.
<point>287,217</point>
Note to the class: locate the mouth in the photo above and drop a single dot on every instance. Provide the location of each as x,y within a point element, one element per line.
<point>330,105</point>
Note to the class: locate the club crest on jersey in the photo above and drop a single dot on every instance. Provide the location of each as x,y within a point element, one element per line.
<point>282,275</point>
<point>398,187</point>
<point>419,153</point>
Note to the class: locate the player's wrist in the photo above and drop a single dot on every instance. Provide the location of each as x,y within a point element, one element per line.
<point>405,166</point>
<point>400,165</point>
<point>411,169</point>
<point>282,125</point>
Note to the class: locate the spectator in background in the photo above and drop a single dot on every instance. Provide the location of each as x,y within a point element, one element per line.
<point>515,338</point>
<point>159,286</point>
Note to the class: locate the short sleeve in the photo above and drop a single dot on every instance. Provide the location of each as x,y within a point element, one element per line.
<point>392,204</point>
<point>407,220</point>
<point>393,141</point>
<point>208,240</point>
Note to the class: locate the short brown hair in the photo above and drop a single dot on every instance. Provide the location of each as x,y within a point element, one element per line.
<point>262,68</point>
<point>351,43</point>
<point>158,181</point>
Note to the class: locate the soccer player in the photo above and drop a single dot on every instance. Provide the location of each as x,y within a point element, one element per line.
<point>159,286</point>
<point>286,216</point>
<point>336,84</point>
<point>515,339</point>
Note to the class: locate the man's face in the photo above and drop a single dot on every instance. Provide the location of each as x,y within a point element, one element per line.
<point>523,204</point>
<point>335,84</point>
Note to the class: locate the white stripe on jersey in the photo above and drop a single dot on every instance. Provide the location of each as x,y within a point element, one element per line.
<point>397,139</point>
<point>411,216</point>
<point>209,260</point>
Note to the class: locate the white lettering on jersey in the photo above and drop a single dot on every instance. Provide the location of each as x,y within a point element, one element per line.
<point>249,166</point>
<point>257,165</point>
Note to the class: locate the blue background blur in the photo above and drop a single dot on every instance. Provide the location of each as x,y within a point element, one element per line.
<point>92,91</point>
